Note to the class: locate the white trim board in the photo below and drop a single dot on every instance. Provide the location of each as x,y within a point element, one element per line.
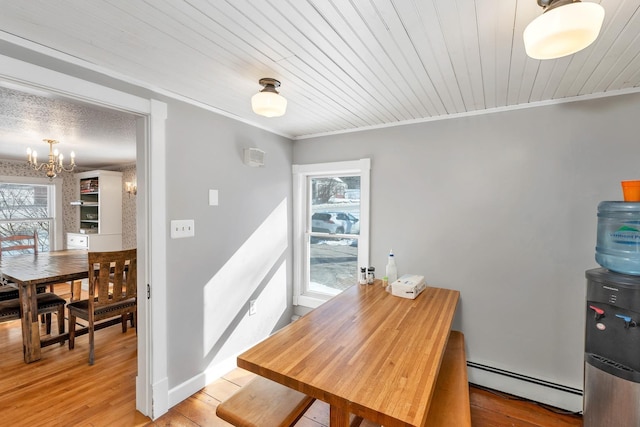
<point>476,113</point>
<point>190,387</point>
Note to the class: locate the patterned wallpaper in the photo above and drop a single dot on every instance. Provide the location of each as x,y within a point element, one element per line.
<point>70,191</point>
<point>128,208</point>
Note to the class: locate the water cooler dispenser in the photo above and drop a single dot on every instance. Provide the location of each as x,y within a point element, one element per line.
<point>612,328</point>
<point>612,350</point>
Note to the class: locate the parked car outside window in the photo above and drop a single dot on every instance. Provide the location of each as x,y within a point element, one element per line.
<point>334,223</point>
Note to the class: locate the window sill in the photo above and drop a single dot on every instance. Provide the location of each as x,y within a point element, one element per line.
<point>311,301</point>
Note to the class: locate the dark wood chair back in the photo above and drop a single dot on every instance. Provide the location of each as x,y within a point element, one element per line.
<point>112,294</point>
<point>19,242</point>
<point>114,277</point>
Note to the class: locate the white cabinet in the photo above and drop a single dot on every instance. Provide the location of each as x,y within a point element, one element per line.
<point>99,212</point>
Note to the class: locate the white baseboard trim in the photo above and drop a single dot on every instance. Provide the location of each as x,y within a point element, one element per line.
<point>159,405</point>
<point>557,395</point>
<point>182,391</point>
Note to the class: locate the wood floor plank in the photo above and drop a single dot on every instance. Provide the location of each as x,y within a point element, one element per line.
<point>496,407</point>
<point>201,412</point>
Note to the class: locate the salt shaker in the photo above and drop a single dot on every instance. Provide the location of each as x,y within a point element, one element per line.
<point>362,279</point>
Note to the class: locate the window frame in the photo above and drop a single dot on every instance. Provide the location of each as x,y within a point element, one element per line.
<point>302,222</point>
<point>55,209</point>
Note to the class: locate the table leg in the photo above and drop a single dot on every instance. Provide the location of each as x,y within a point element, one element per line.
<point>30,323</point>
<point>338,417</point>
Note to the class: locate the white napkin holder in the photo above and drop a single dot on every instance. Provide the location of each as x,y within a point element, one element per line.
<point>408,286</point>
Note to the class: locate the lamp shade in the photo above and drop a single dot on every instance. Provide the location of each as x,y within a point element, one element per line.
<point>563,30</point>
<point>269,104</point>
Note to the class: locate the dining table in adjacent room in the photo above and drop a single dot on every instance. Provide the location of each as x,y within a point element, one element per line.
<point>365,352</point>
<point>30,271</point>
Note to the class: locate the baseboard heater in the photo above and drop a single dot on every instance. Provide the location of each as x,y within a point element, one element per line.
<point>534,391</point>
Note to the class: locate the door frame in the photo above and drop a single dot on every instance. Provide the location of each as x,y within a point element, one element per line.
<point>152,389</point>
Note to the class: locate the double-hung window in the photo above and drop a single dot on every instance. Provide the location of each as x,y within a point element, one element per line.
<point>331,228</point>
<point>31,204</point>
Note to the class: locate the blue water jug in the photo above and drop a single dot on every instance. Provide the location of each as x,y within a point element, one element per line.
<point>618,244</point>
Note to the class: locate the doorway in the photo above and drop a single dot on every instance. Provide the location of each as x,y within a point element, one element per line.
<point>151,381</point>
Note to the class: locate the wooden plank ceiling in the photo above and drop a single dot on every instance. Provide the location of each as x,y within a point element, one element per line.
<point>343,64</point>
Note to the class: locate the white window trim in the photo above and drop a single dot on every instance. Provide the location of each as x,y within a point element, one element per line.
<point>301,204</point>
<point>55,236</point>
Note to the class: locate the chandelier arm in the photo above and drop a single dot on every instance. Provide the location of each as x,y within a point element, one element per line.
<point>70,168</point>
<point>38,167</point>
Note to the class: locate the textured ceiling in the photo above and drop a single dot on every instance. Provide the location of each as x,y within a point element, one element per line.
<point>99,137</point>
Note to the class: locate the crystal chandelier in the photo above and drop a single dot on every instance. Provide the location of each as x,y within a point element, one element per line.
<point>54,166</point>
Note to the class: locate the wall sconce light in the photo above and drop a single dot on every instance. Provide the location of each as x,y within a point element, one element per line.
<point>131,188</point>
<point>565,27</point>
<point>268,102</point>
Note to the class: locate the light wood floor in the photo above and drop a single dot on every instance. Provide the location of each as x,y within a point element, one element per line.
<point>488,409</point>
<point>63,390</point>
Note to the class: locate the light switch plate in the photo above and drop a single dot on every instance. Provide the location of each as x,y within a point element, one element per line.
<point>182,228</point>
<point>213,197</point>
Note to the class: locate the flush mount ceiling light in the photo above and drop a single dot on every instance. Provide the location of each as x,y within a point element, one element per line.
<point>268,102</point>
<point>565,27</point>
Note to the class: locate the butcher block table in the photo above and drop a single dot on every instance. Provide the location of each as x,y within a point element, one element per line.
<point>364,352</point>
<point>28,271</point>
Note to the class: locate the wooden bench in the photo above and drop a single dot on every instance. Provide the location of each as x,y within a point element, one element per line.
<point>450,404</point>
<point>263,402</point>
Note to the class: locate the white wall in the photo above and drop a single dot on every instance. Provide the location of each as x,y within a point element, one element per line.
<point>502,207</point>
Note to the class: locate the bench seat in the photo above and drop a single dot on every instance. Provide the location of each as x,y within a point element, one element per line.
<point>263,402</point>
<point>450,404</point>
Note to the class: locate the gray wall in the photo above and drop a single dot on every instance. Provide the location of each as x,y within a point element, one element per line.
<point>503,208</point>
<point>241,248</point>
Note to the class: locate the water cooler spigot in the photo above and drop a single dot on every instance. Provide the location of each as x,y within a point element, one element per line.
<point>628,321</point>
<point>599,313</point>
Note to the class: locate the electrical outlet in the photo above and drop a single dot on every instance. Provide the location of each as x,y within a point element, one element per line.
<point>182,228</point>
<point>252,307</point>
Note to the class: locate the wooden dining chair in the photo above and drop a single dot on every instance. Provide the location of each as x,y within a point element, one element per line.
<point>19,242</point>
<point>48,303</point>
<point>112,293</point>
<point>7,291</point>
<point>16,242</point>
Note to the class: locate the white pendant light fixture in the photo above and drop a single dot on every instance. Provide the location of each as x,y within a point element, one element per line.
<point>268,102</point>
<point>565,27</point>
